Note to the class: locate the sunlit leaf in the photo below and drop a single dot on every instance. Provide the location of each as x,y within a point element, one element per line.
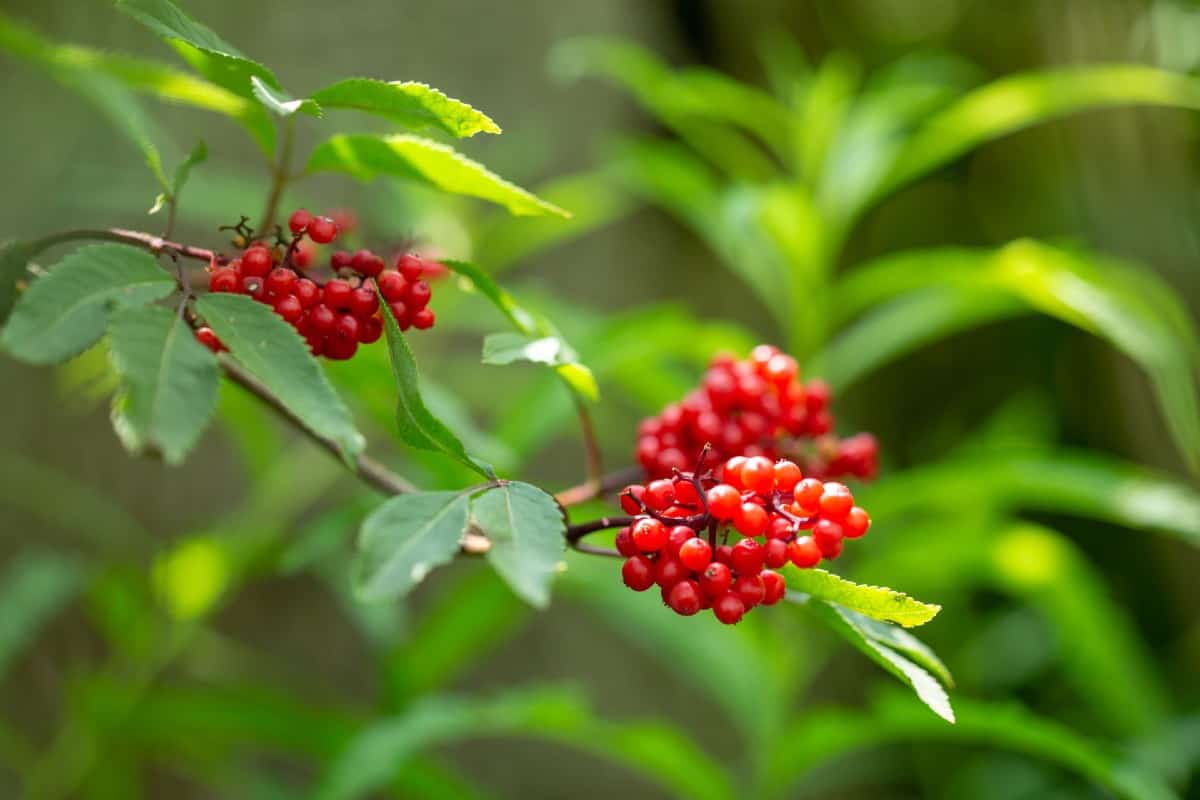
<point>877,602</point>
<point>279,102</point>
<point>410,103</point>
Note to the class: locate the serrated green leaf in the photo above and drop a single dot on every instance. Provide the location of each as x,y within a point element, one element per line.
<point>405,538</point>
<point>279,102</point>
<point>527,531</point>
<point>425,161</point>
<point>877,602</point>
<point>417,426</point>
<point>168,381</point>
<point>412,104</point>
<point>505,348</point>
<point>197,155</point>
<point>199,45</point>
<point>14,256</point>
<point>34,587</point>
<point>65,312</point>
<point>274,353</point>
<point>846,623</point>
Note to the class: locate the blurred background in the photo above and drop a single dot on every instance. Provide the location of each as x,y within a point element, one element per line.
<point>199,638</point>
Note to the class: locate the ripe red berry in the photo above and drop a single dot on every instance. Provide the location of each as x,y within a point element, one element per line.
<point>322,230</point>
<point>787,475</point>
<point>775,553</point>
<point>638,573</point>
<point>828,536</point>
<point>731,472</point>
<point>758,475</point>
<point>629,498</point>
<point>715,579</point>
<point>836,501</point>
<point>856,523</point>
<point>307,292</point>
<point>346,327</point>
<point>423,319</point>
<point>780,369</point>
<point>369,330</point>
<point>402,315</point>
<point>256,261</point>
<point>280,280</point>
<point>695,554</point>
<point>364,262</point>
<point>729,608</point>
<point>254,286</point>
<point>337,294</point>
<point>302,256</point>
<point>685,598</point>
<point>206,337</point>
<point>668,572</point>
<point>625,544</point>
<point>417,294</point>
<point>686,494</point>
<point>289,308</point>
<point>649,534</point>
<point>773,587</point>
<point>676,537</point>
<point>392,286</point>
<point>780,527</point>
<point>723,501</point>
<point>339,348</point>
<point>750,519</point>
<point>410,266</point>
<point>321,319</point>
<point>723,553</point>
<point>804,553</point>
<point>299,220</point>
<point>659,494</point>
<point>750,589</point>
<point>747,557</point>
<point>808,493</point>
<point>364,302</point>
<point>340,260</point>
<point>224,279</point>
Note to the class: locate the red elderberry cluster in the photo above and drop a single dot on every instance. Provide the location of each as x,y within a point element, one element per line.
<point>334,316</point>
<point>754,407</point>
<point>777,514</point>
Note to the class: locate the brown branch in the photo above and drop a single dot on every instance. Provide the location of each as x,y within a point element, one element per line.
<point>607,484</point>
<point>577,532</point>
<point>155,244</point>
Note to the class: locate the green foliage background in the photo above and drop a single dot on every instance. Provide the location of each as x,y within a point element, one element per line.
<point>190,631</point>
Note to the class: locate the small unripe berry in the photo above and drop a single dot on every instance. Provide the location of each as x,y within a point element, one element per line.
<point>638,573</point>
<point>695,554</point>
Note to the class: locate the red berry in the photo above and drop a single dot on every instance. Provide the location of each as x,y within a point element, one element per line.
<point>750,519</point>
<point>307,292</point>
<point>729,608</point>
<point>254,286</point>
<point>417,294</point>
<point>856,523</point>
<point>337,294</point>
<point>629,498</point>
<point>410,266</point>
<point>625,544</point>
<point>787,475</point>
<point>423,320</point>
<point>685,598</point>
<point>723,553</point>
<point>723,501</point>
<point>747,557</point>
<point>224,279</point>
<point>758,475</point>
<point>400,312</point>
<point>731,472</point>
<point>695,554</point>
<point>346,327</point>
<point>668,572</point>
<point>369,330</point>
<point>280,280</point>
<point>339,348</point>
<point>686,494</point>
<point>835,501</point>
<point>659,494</point>
<point>676,537</point>
<point>808,493</point>
<point>649,534</point>
<point>321,319</point>
<point>715,579</point>
<point>750,589</point>
<point>322,230</point>
<point>340,260</point>
<point>299,220</point>
<point>257,261</point>
<point>773,587</point>
<point>364,302</point>
<point>638,573</point>
<point>206,337</point>
<point>289,308</point>
<point>780,527</point>
<point>316,342</point>
<point>364,262</point>
<point>775,553</point>
<point>392,286</point>
<point>780,369</point>
<point>804,553</point>
<point>828,536</point>
<point>302,256</point>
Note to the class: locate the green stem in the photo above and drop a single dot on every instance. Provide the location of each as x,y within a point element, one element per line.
<point>279,176</point>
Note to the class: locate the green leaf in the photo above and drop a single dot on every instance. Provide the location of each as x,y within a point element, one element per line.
<point>822,736</point>
<point>273,352</point>
<point>1018,101</point>
<point>34,588</point>
<point>424,161</point>
<point>412,104</point>
<point>1129,308</point>
<point>505,348</point>
<point>199,45</point>
<point>14,256</point>
<point>880,649</point>
<point>65,312</point>
<point>417,426</point>
<point>279,102</point>
<point>169,381</point>
<point>527,531</point>
<point>877,602</point>
<point>197,155</point>
<point>405,538</point>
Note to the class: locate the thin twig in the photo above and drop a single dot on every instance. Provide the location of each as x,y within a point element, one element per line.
<point>578,531</point>
<point>279,176</point>
<point>606,485</point>
<point>156,244</point>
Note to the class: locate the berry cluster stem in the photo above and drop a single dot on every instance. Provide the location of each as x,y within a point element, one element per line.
<point>279,175</point>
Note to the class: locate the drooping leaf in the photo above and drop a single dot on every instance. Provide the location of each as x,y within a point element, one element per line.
<point>1130,308</point>
<point>405,538</point>
<point>877,602</point>
<point>425,161</point>
<point>417,426</point>
<point>34,587</point>
<point>273,352</point>
<point>1018,101</point>
<point>279,102</point>
<point>410,103</point>
<point>505,348</point>
<point>822,736</point>
<point>527,534</point>
<point>168,381</point>
<point>200,46</point>
<point>908,663</point>
<point>65,312</point>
